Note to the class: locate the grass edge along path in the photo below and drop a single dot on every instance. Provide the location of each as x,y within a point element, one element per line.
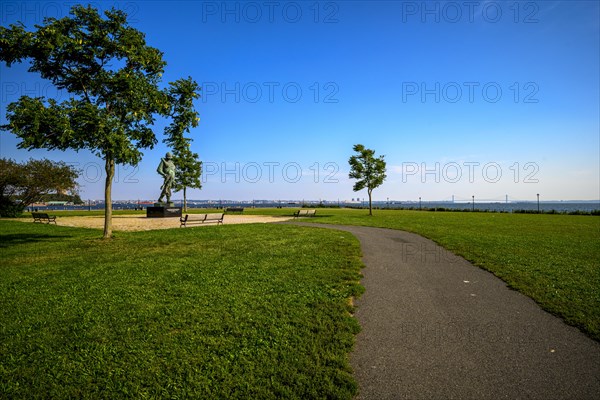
<point>241,311</point>
<point>553,259</point>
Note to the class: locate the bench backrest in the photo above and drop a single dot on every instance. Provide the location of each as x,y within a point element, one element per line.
<point>214,216</point>
<point>39,215</point>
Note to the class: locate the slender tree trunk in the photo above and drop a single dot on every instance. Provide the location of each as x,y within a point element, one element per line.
<point>370,204</point>
<point>110,173</point>
<point>184,200</point>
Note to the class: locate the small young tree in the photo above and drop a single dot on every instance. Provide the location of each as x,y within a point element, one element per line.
<point>369,171</point>
<point>113,78</point>
<point>189,168</point>
<point>23,184</point>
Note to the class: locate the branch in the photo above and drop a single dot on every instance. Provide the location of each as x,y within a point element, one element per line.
<point>87,97</point>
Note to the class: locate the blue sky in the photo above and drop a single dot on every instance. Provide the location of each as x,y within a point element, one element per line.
<point>482,98</point>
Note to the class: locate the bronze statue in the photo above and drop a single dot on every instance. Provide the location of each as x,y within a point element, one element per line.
<point>166,169</point>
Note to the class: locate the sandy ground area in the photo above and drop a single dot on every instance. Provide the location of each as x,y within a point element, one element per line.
<point>141,223</point>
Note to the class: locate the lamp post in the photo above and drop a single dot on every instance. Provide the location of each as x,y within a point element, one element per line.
<point>538,202</point>
<point>419,202</point>
<point>473,204</point>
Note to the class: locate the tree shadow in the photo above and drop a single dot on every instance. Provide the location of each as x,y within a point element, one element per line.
<point>26,238</point>
<point>317,215</point>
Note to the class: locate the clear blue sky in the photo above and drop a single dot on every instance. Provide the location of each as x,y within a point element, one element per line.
<point>483,98</point>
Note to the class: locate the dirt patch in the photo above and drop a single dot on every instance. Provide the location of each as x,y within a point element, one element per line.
<point>141,223</point>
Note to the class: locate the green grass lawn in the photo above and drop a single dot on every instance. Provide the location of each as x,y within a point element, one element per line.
<point>554,259</point>
<point>251,311</point>
<point>246,311</point>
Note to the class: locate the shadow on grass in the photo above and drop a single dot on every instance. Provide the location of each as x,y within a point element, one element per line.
<point>316,216</point>
<point>26,238</point>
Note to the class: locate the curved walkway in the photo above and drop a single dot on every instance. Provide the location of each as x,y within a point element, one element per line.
<point>436,327</point>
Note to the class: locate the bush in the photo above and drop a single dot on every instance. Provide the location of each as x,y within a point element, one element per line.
<point>25,183</point>
<point>9,208</point>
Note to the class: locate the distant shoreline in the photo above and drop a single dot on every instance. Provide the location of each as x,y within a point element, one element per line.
<point>547,206</point>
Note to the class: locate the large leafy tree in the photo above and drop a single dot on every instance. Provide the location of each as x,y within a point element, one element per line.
<point>367,169</point>
<point>26,183</point>
<point>113,79</point>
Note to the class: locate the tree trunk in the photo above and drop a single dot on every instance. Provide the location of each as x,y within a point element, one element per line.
<point>370,206</point>
<point>110,173</point>
<point>184,200</point>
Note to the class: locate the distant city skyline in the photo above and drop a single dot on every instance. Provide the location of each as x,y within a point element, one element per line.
<point>483,99</point>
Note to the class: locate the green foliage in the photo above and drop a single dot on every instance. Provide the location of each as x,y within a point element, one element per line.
<point>181,95</point>
<point>189,168</point>
<point>113,78</point>
<point>368,170</point>
<point>23,184</point>
<point>10,208</point>
<point>248,311</point>
<point>110,73</point>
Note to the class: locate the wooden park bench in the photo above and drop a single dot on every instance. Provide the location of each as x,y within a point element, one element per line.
<point>305,213</point>
<point>41,217</point>
<point>201,219</point>
<point>235,209</point>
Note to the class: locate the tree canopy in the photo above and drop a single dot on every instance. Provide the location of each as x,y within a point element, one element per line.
<point>112,77</point>
<point>368,170</point>
<point>189,167</point>
<point>26,183</point>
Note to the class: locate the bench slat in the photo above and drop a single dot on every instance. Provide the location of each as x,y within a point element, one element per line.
<point>200,219</point>
<point>305,213</point>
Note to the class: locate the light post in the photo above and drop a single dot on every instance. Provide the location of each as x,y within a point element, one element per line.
<point>473,205</point>
<point>419,202</point>
<point>538,202</point>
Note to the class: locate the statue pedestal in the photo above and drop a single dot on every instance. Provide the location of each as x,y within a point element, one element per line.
<point>163,211</point>
<point>163,204</point>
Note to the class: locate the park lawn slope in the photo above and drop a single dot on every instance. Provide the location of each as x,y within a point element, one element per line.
<point>241,311</point>
<point>554,259</point>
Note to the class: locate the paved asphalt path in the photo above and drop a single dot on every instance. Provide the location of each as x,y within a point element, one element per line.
<point>436,327</point>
